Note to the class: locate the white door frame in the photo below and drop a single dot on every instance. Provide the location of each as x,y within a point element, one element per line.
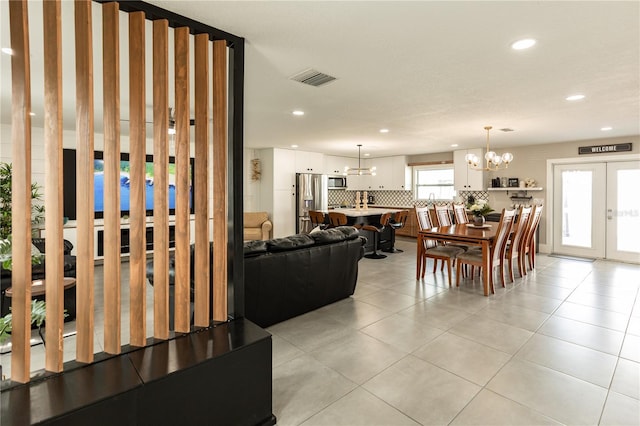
<point>549,208</point>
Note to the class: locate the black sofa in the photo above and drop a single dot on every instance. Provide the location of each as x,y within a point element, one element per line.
<point>37,273</point>
<point>287,277</point>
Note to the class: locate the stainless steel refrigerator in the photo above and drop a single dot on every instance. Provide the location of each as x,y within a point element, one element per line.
<point>312,193</point>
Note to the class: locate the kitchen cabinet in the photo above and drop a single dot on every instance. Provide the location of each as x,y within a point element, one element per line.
<point>392,174</point>
<point>466,179</point>
<point>284,213</point>
<point>334,165</point>
<point>309,162</point>
<point>283,170</point>
<point>411,226</point>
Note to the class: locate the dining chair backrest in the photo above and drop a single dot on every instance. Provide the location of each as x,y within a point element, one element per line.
<point>534,221</point>
<point>317,218</point>
<point>337,218</point>
<point>519,228</point>
<point>424,218</point>
<point>443,215</point>
<point>502,233</point>
<point>460,213</point>
<point>424,223</point>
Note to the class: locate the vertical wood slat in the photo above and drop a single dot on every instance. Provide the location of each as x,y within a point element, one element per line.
<point>220,196</point>
<point>21,192</point>
<point>111,111</point>
<point>53,200</point>
<point>84,182</point>
<point>182,285</point>
<point>201,177</point>
<point>160,181</point>
<point>137,149</point>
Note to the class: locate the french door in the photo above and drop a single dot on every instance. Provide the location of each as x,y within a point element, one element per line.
<point>596,213</point>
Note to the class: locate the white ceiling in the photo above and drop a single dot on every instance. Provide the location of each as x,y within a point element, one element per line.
<point>433,73</point>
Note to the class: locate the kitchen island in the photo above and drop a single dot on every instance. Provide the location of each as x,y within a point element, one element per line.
<point>366,216</point>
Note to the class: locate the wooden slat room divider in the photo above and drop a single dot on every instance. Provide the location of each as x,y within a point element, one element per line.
<point>53,183</point>
<point>210,296</point>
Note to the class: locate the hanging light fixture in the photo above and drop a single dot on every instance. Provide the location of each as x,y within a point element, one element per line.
<point>493,161</point>
<point>359,170</point>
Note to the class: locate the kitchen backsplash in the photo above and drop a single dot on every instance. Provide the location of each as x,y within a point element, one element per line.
<point>395,198</point>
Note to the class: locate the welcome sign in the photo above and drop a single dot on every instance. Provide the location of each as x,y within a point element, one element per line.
<point>601,149</point>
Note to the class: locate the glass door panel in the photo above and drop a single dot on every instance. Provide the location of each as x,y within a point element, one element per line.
<point>579,210</point>
<point>623,211</point>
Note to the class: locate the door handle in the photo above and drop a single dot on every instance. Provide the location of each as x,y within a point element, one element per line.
<point>610,214</point>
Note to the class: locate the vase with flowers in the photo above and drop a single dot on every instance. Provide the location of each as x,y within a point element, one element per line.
<point>479,209</point>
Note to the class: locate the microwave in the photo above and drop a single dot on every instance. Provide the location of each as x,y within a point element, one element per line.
<point>337,182</point>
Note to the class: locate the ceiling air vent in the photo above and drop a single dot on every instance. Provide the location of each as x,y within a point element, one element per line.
<point>312,77</point>
<point>506,129</point>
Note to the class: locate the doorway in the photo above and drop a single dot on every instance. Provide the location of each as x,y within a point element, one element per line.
<point>596,210</point>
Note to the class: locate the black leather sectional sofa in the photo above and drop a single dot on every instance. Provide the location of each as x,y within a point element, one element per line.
<point>287,277</point>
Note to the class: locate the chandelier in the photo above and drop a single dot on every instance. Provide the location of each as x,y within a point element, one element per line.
<point>359,170</point>
<point>493,161</point>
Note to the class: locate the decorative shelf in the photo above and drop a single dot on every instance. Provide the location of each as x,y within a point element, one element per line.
<point>516,189</point>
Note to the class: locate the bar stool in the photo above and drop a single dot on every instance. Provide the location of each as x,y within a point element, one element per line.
<point>377,231</point>
<point>317,219</point>
<point>337,219</point>
<point>398,222</point>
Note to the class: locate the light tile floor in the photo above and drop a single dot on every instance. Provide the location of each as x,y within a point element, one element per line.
<point>561,346</point>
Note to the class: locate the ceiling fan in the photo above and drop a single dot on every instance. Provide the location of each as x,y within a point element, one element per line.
<point>172,121</point>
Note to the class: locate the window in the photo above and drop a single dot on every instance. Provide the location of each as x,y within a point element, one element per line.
<point>436,180</point>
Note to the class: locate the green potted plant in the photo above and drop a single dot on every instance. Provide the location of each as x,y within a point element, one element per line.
<point>37,209</point>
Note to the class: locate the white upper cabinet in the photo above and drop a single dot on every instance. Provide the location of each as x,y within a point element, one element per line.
<point>309,162</point>
<point>334,165</point>
<point>466,179</point>
<point>392,174</point>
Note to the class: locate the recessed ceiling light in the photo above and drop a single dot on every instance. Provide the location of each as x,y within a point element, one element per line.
<point>384,130</point>
<point>523,44</point>
<point>606,128</point>
<point>574,97</point>
<point>367,155</point>
<point>7,51</point>
<point>298,112</point>
<point>294,146</point>
<point>454,145</point>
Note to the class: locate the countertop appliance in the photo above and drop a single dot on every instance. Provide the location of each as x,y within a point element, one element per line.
<point>312,193</point>
<point>371,199</point>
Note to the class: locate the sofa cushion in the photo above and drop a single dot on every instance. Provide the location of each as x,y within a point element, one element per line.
<point>334,235</point>
<point>291,242</point>
<point>254,248</point>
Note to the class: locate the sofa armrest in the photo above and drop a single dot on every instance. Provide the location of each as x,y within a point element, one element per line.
<point>266,229</point>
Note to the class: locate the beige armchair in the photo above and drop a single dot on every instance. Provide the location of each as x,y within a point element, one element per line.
<point>257,226</point>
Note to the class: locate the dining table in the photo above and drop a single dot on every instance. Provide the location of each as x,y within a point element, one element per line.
<point>465,233</point>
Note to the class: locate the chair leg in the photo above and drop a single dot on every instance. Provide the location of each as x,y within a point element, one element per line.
<point>375,254</point>
<point>435,265</point>
<point>458,274</point>
<point>449,269</point>
<point>423,269</point>
<point>510,266</point>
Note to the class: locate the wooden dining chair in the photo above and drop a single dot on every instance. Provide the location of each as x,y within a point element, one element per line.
<point>518,230</point>
<point>431,249</point>
<point>527,245</point>
<point>460,213</point>
<point>496,255</point>
<point>443,215</point>
<point>337,219</point>
<point>317,219</point>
